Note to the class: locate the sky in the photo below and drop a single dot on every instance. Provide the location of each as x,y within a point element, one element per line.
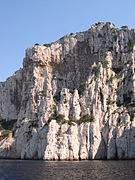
<point>26,22</point>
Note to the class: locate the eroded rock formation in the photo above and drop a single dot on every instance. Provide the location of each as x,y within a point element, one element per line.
<point>73,99</point>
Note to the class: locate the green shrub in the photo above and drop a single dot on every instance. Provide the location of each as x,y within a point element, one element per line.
<point>131,44</point>
<point>110,79</point>
<point>102,53</point>
<point>6,133</point>
<point>117,76</point>
<point>116,111</point>
<point>100,35</point>
<point>34,124</point>
<point>59,133</point>
<point>95,69</point>
<point>124,27</point>
<point>86,118</point>
<point>126,99</point>
<point>59,118</point>
<point>56,98</point>
<point>104,63</point>
<point>96,24</point>
<point>71,123</point>
<point>1,128</point>
<point>42,93</point>
<point>119,103</point>
<point>113,77</point>
<point>83,83</point>
<point>128,105</point>
<point>47,45</point>
<point>117,69</point>
<point>72,120</point>
<point>56,102</point>
<point>111,102</point>
<point>36,44</point>
<point>71,34</point>
<point>82,86</point>
<point>54,77</point>
<point>71,91</point>
<point>54,115</point>
<point>131,112</point>
<point>115,37</point>
<point>7,125</point>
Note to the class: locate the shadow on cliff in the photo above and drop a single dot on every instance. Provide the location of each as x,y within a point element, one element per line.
<point>120,146</point>
<point>125,87</point>
<point>74,68</point>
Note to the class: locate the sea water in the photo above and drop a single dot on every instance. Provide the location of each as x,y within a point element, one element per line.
<point>66,170</point>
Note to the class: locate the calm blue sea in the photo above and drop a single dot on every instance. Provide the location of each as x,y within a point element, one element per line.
<point>66,170</point>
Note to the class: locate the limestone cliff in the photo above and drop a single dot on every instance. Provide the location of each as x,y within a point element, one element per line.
<point>73,98</point>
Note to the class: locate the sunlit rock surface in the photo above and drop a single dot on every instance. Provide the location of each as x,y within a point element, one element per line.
<point>73,99</point>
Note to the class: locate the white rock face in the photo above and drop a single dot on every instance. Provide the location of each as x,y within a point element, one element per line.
<point>73,99</point>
